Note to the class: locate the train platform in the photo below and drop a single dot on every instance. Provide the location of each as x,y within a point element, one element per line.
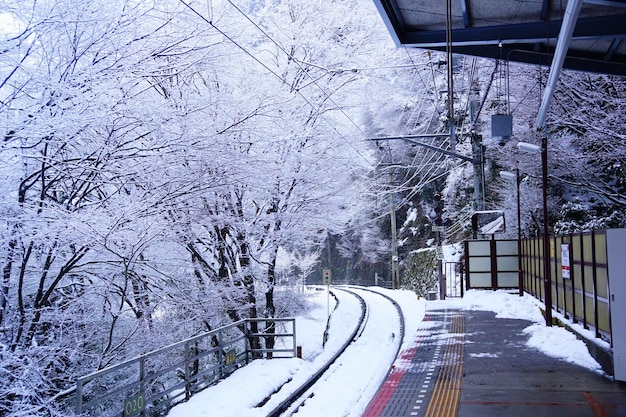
<point>472,364</point>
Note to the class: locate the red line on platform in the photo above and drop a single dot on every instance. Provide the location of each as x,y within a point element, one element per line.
<point>595,405</point>
<point>378,404</point>
<point>386,391</point>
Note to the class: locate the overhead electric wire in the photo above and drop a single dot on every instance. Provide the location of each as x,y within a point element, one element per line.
<point>430,174</point>
<point>320,114</point>
<point>416,109</point>
<point>417,188</point>
<point>429,169</point>
<point>412,87</point>
<point>426,164</point>
<point>426,157</point>
<point>314,81</point>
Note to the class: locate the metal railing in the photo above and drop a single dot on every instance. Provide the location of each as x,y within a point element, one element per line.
<point>152,383</point>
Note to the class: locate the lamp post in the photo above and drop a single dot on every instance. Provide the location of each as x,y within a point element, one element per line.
<point>514,176</point>
<point>547,281</point>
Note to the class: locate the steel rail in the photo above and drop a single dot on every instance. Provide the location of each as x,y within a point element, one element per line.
<point>402,326</point>
<point>300,395</point>
<point>400,314</point>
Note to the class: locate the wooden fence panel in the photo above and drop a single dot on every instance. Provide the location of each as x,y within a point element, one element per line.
<point>584,295</point>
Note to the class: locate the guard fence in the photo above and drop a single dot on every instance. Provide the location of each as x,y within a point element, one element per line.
<point>152,383</point>
<point>585,282</point>
<point>579,278</point>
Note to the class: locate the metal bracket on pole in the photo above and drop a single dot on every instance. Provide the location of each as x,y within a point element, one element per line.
<point>411,139</point>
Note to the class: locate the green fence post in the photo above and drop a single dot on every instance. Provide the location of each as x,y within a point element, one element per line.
<point>187,378</point>
<point>142,380</point>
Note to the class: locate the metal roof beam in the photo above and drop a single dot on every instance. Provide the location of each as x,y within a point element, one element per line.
<point>604,26</point>
<point>565,36</point>
<point>466,16</point>
<point>614,45</point>
<point>610,3</point>
<point>528,42</point>
<point>392,17</point>
<point>545,8</point>
<point>526,53</point>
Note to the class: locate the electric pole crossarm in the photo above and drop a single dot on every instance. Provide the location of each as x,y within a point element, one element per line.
<point>412,140</point>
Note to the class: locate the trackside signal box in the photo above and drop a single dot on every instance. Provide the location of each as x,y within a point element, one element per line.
<point>327,277</point>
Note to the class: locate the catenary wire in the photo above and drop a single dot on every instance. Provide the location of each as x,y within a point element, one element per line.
<point>314,81</point>
<point>279,77</point>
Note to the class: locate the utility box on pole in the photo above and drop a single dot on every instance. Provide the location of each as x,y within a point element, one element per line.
<point>501,128</point>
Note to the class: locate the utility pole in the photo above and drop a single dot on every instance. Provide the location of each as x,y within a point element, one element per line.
<point>330,255</point>
<point>547,279</point>
<point>450,75</point>
<point>519,228</point>
<point>395,276</point>
<point>479,178</point>
<point>438,243</point>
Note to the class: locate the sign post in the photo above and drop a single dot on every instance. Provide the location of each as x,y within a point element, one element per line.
<point>327,280</point>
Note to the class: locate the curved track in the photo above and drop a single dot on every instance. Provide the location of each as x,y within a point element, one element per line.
<point>400,315</point>
<point>298,397</point>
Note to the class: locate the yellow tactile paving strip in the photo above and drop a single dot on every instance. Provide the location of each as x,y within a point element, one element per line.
<point>447,392</point>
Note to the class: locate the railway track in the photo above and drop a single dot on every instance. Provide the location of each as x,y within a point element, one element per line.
<point>370,302</point>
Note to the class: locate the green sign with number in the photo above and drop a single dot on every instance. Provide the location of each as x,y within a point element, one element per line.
<point>135,404</point>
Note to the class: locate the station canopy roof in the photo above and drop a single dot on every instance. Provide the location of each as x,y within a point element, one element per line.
<point>514,30</point>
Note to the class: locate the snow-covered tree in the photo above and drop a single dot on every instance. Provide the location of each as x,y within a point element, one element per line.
<point>155,162</point>
<point>585,152</point>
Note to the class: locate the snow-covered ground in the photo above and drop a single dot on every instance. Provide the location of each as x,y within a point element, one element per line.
<point>369,361</point>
